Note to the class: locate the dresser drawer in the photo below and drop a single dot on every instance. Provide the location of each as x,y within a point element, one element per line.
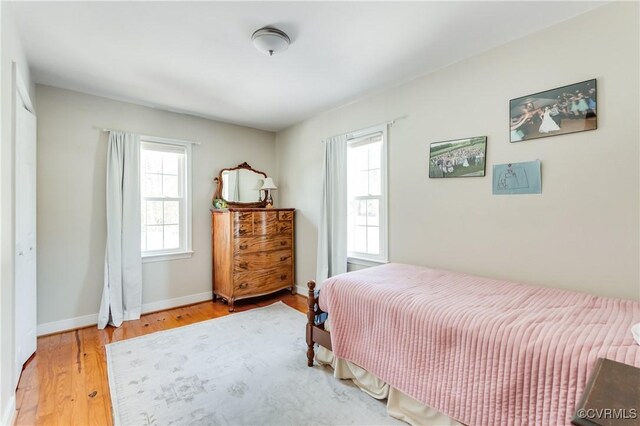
<point>255,244</point>
<point>262,281</point>
<point>265,223</point>
<point>243,229</point>
<point>242,216</point>
<point>265,217</point>
<point>285,227</point>
<point>261,260</point>
<point>285,215</point>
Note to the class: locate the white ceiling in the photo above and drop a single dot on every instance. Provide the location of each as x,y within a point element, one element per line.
<point>197,57</point>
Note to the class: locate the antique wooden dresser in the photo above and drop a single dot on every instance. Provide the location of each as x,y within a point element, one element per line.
<point>253,252</point>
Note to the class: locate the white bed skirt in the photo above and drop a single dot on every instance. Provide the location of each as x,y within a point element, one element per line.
<point>399,405</point>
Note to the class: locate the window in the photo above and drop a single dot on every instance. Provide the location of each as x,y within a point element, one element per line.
<point>165,190</point>
<point>367,196</point>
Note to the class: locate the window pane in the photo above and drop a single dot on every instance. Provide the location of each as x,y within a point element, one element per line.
<point>373,212</point>
<point>143,239</point>
<point>373,240</point>
<point>374,155</point>
<point>361,212</point>
<point>170,163</point>
<point>172,213</point>
<point>361,156</point>
<point>171,237</point>
<point>154,212</point>
<point>360,239</point>
<point>351,164</point>
<point>375,186</point>
<point>352,208</point>
<point>170,186</point>
<point>152,185</point>
<point>360,184</point>
<point>154,238</point>
<point>143,213</point>
<point>350,237</point>
<point>151,161</point>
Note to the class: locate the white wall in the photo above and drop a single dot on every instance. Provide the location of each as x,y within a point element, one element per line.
<point>12,52</point>
<point>581,233</point>
<point>71,199</point>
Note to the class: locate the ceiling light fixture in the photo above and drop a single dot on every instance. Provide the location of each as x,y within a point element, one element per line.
<point>270,40</point>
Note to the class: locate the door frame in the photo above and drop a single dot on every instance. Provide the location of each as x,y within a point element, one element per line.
<point>22,91</point>
<point>19,92</point>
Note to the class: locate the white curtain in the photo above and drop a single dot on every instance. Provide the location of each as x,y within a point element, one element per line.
<point>332,230</point>
<point>122,293</point>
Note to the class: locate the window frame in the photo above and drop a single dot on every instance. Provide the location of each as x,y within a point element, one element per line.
<point>366,259</point>
<point>185,250</point>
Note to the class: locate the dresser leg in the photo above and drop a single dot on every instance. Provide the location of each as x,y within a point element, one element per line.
<point>293,291</point>
<point>215,298</point>
<point>231,301</point>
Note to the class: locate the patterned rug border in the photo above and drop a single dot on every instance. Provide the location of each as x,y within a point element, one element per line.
<point>230,315</point>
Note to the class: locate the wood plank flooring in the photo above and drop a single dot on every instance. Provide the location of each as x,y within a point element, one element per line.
<point>65,382</point>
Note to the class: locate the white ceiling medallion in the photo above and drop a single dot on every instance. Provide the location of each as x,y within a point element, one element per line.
<point>270,40</point>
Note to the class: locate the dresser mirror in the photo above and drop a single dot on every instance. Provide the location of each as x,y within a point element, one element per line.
<point>240,186</point>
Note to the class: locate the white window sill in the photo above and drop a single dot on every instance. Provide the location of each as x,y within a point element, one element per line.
<point>147,258</point>
<point>365,262</point>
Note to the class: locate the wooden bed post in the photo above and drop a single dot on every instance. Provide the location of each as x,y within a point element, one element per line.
<point>311,314</point>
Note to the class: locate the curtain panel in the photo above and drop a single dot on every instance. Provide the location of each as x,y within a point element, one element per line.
<point>332,229</point>
<point>122,293</point>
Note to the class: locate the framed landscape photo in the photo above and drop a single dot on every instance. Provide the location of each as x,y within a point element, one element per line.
<point>458,158</point>
<point>567,109</point>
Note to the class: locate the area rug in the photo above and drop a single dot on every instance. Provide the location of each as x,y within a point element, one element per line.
<point>248,368</point>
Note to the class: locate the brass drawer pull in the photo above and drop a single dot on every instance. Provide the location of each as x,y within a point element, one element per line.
<point>283,277</point>
<point>243,246</point>
<point>243,285</point>
<point>244,265</point>
<point>283,258</point>
<point>283,243</point>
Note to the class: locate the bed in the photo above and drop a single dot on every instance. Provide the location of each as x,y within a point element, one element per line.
<point>478,351</point>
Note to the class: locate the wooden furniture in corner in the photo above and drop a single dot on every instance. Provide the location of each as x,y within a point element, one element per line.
<point>611,396</point>
<point>253,252</point>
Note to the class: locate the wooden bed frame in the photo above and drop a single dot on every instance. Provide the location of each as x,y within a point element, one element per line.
<point>315,333</point>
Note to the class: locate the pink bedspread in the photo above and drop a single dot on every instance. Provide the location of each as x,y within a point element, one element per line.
<point>482,351</point>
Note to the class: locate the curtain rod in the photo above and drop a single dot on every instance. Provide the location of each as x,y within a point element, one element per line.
<point>105,129</point>
<point>389,123</point>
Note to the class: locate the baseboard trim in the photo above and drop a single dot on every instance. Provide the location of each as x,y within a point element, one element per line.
<point>88,320</point>
<point>66,324</point>
<point>176,302</point>
<point>303,290</point>
<point>9,413</point>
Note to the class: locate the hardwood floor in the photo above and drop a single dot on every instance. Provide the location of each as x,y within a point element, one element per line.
<point>65,382</point>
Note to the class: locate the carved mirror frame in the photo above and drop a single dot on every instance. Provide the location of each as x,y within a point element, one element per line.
<point>218,193</point>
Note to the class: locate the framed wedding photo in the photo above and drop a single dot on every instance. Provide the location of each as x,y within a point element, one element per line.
<point>458,158</point>
<point>567,109</point>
